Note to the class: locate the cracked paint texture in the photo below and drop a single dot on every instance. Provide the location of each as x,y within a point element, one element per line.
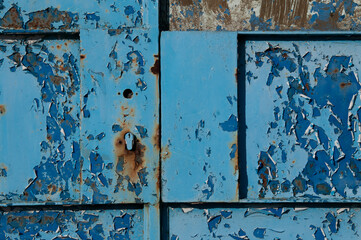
<point>304,97</point>
<point>40,82</point>
<point>199,117</point>
<point>264,223</point>
<point>265,15</point>
<point>70,15</point>
<point>123,58</point>
<point>68,224</point>
<point>68,145</point>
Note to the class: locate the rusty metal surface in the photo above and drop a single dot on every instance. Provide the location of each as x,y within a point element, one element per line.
<point>67,101</point>
<point>264,15</point>
<point>264,223</point>
<point>304,99</point>
<point>70,15</point>
<point>199,117</point>
<point>40,121</point>
<point>71,225</point>
<point>120,95</point>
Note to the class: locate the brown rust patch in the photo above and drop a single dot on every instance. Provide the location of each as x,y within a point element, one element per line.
<point>44,19</point>
<point>57,80</point>
<point>158,177</point>
<point>345,84</point>
<point>2,109</point>
<point>285,13</point>
<point>156,137</point>
<point>185,3</point>
<point>165,154</point>
<point>12,19</point>
<point>82,56</point>
<point>219,6</point>
<point>156,67</point>
<point>128,163</point>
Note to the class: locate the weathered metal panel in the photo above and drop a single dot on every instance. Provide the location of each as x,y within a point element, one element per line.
<point>69,224</point>
<point>120,96</point>
<point>264,223</point>
<point>39,121</point>
<point>199,117</point>
<point>70,15</point>
<point>303,99</point>
<point>265,15</point>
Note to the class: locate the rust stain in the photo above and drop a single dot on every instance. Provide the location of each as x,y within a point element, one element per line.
<point>12,19</point>
<point>165,154</point>
<point>158,177</point>
<point>307,86</point>
<point>331,22</point>
<point>2,109</point>
<point>129,163</point>
<point>345,84</point>
<point>219,6</point>
<point>185,3</point>
<point>155,68</point>
<point>285,13</point>
<point>45,18</point>
<point>236,74</point>
<point>82,56</point>
<point>156,137</point>
<point>57,80</point>
<point>58,47</point>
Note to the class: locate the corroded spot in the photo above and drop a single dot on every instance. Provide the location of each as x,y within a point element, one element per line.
<point>12,19</point>
<point>57,80</point>
<point>2,109</point>
<point>156,137</point>
<point>45,19</point>
<point>345,84</point>
<point>165,153</point>
<point>128,162</point>
<point>155,68</point>
<point>285,13</point>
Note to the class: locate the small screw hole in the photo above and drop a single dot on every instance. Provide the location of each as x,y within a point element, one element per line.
<point>128,93</point>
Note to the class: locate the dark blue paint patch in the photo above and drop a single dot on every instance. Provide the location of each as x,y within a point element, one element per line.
<point>116,128</point>
<point>141,84</point>
<point>142,131</point>
<point>209,190</point>
<point>231,125</point>
<point>100,136</point>
<point>213,222</point>
<point>129,10</point>
<point>259,232</point>
<point>96,162</point>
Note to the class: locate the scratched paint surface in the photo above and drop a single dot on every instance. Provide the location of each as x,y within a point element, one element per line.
<point>199,117</point>
<point>304,99</point>
<point>264,223</point>
<point>264,15</point>
<point>39,128</point>
<point>68,15</point>
<point>90,224</point>
<point>120,84</point>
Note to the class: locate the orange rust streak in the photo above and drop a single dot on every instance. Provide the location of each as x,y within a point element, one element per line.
<point>345,84</point>
<point>2,109</point>
<point>156,67</point>
<point>132,161</point>
<point>165,153</point>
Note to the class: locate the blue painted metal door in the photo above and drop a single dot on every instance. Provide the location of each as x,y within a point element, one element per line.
<point>79,120</point>
<point>257,135</point>
<point>265,130</point>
